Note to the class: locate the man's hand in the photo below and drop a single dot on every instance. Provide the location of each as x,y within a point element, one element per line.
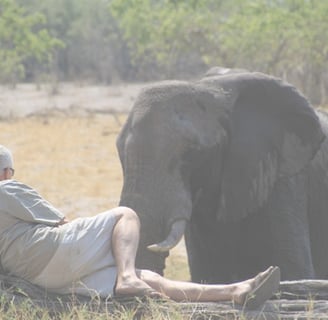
<point>63,221</point>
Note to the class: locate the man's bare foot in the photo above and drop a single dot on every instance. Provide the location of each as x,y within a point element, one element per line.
<point>130,286</point>
<point>254,292</point>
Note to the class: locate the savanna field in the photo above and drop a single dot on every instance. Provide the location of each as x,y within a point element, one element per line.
<point>67,151</point>
<point>70,156</point>
<point>64,98</point>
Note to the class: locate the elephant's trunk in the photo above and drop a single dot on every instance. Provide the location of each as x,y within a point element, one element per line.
<point>173,238</point>
<point>163,210</point>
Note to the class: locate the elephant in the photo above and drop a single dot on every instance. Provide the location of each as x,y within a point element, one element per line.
<point>235,162</point>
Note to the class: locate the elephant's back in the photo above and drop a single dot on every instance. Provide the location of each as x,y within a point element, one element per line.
<point>320,160</point>
<point>318,202</point>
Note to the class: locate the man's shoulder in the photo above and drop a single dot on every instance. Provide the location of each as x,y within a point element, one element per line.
<point>8,182</point>
<point>12,185</point>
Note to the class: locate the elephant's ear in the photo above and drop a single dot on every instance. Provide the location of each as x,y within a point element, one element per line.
<point>274,133</point>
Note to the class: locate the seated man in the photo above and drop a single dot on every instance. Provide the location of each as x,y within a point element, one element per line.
<point>94,255</point>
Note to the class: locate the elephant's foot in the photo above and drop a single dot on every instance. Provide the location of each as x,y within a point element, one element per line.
<point>254,292</point>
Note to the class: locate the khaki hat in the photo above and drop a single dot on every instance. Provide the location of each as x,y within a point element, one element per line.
<point>6,158</point>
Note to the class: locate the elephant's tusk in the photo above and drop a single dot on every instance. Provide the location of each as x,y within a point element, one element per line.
<point>175,235</point>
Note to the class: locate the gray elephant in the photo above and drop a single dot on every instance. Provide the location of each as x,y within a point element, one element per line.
<point>238,163</point>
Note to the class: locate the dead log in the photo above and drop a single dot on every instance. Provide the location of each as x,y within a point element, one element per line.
<point>304,289</point>
<point>305,299</point>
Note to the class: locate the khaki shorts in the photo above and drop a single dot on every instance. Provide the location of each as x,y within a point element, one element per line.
<point>83,263</point>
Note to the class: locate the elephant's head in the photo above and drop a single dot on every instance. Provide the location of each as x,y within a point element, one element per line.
<point>229,137</point>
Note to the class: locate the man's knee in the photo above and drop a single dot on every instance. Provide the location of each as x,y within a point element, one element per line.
<point>128,214</point>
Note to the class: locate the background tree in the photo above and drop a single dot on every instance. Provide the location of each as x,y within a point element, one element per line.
<point>22,37</point>
<point>285,38</point>
<point>147,40</point>
<point>93,49</point>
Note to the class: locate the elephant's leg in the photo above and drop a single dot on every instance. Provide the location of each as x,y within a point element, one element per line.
<point>211,252</point>
<point>290,229</point>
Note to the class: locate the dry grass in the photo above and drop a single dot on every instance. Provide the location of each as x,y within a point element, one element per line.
<point>73,163</point>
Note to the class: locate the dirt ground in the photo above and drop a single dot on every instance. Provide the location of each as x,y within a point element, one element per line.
<point>64,146</point>
<point>29,99</point>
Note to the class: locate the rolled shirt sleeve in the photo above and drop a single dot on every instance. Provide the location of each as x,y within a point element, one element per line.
<point>24,203</point>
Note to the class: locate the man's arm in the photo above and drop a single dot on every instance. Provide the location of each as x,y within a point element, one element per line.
<point>24,203</point>
<point>63,221</point>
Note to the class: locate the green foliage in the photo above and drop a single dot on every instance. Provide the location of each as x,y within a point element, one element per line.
<point>109,40</point>
<point>274,36</point>
<point>160,30</point>
<point>277,33</point>
<point>88,32</point>
<point>22,37</point>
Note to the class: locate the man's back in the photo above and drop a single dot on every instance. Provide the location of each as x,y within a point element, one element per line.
<point>27,233</point>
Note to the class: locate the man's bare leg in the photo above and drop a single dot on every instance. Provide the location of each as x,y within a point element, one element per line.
<point>125,240</point>
<point>188,291</point>
<point>130,282</point>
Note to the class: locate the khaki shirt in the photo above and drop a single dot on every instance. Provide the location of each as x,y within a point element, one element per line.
<point>28,234</point>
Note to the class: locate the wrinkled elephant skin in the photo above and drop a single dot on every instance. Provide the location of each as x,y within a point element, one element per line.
<point>238,163</point>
